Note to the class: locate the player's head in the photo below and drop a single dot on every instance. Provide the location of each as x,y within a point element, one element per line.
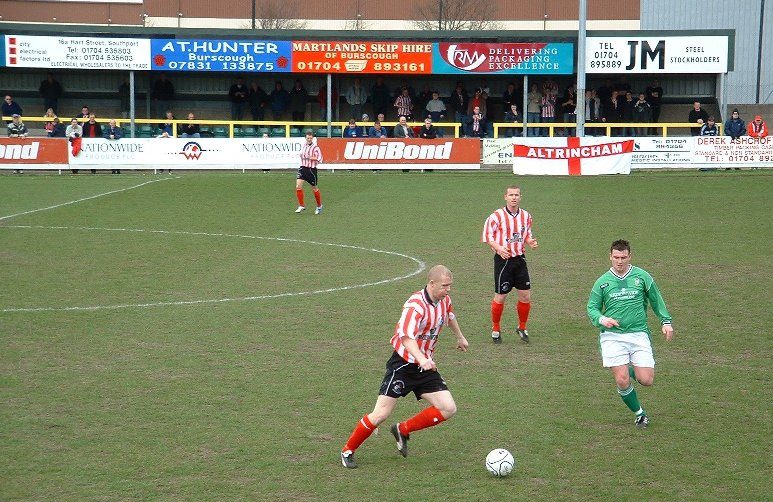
<point>620,255</point>
<point>309,137</point>
<point>513,197</point>
<point>439,280</point>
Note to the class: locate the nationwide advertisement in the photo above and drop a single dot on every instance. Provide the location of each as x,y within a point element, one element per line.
<point>653,54</point>
<point>254,56</point>
<point>188,153</point>
<point>77,52</point>
<point>362,57</point>
<point>453,153</point>
<point>511,58</point>
<point>572,156</point>
<point>41,151</point>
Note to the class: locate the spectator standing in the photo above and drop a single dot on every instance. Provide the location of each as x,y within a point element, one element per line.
<point>626,110</point>
<point>757,128</point>
<point>376,131</point>
<point>592,111</point>
<point>533,108</point>
<point>735,127</point>
<point>322,100</point>
<point>85,112</point>
<point>547,109</point>
<point>113,132</point>
<point>162,95</point>
<point>280,101</point>
<point>512,115</point>
<point>380,96</point>
<point>11,107</point>
<point>74,133</point>
<point>239,95</point>
<point>697,116</point>
<point>356,96</point>
<point>510,96</point>
<point>476,123</point>
<point>436,108</point>
<point>298,99</point>
<point>190,130</point>
<point>478,100</point>
<point>404,104</point>
<point>654,94</point>
<point>123,96</point>
<point>58,129</point>
<point>604,92</point>
<point>613,113</point>
<point>402,130</point>
<point>459,102</point>
<point>257,99</point>
<point>51,90</point>
<point>568,108</point>
<point>642,112</point>
<point>709,128</point>
<point>428,131</point>
<point>420,104</point>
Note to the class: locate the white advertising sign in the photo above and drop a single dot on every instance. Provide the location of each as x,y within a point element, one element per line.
<point>77,52</point>
<point>191,153</point>
<point>685,152</point>
<point>696,54</point>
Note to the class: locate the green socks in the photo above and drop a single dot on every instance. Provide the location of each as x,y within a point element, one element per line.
<point>631,400</point>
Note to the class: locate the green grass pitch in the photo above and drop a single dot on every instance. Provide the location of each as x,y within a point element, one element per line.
<point>185,398</point>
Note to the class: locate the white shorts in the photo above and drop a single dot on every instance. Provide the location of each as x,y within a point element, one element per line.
<point>619,349</point>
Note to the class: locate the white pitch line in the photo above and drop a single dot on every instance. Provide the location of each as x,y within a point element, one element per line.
<point>83,199</point>
<point>421,266</point>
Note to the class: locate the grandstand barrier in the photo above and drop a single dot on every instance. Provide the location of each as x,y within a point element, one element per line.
<point>235,129</point>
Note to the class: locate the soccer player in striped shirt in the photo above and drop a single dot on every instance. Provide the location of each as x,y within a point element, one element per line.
<point>311,156</point>
<point>412,368</point>
<point>508,231</point>
<point>618,307</point>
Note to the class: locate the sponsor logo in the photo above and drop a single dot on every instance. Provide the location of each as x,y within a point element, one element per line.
<point>395,150</point>
<point>18,152</point>
<point>515,238</point>
<point>398,386</point>
<point>192,151</point>
<point>605,285</point>
<point>464,58</point>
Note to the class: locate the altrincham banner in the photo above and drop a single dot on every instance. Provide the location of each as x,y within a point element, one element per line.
<point>189,153</point>
<point>572,156</point>
<point>41,152</point>
<point>451,153</point>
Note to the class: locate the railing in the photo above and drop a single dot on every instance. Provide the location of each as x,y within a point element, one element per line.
<point>230,125</point>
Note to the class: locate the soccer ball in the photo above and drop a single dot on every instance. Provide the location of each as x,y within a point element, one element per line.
<point>500,462</point>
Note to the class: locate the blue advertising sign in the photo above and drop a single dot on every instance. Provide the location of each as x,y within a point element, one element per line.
<point>221,55</point>
<point>511,58</point>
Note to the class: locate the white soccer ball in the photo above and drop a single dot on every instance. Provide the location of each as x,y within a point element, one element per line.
<point>500,462</point>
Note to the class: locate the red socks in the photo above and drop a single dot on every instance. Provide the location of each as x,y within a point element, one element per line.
<point>425,418</point>
<point>523,314</point>
<point>496,314</point>
<point>299,195</point>
<point>362,432</point>
<point>318,197</point>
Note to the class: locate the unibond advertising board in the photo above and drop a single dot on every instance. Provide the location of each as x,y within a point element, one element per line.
<point>451,153</point>
<point>43,152</point>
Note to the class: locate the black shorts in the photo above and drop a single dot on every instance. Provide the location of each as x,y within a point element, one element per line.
<point>308,174</point>
<point>402,378</point>
<point>510,273</point>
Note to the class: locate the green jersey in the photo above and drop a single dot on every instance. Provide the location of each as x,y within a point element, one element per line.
<point>625,299</point>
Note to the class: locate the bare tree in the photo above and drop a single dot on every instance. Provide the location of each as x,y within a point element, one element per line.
<point>455,15</point>
<point>278,15</point>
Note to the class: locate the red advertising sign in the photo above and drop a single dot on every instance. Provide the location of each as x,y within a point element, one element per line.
<point>362,57</point>
<point>452,153</point>
<point>33,151</point>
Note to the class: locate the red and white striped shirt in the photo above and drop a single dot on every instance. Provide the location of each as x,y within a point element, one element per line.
<point>508,229</point>
<point>403,105</point>
<point>422,321</point>
<point>311,155</point>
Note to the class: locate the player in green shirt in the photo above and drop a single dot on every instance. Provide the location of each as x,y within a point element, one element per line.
<point>618,307</point>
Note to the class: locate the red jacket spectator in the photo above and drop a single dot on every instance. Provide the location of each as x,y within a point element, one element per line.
<point>757,128</point>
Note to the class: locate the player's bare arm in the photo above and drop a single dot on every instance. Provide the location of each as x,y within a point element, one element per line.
<point>424,362</point>
<point>461,342</point>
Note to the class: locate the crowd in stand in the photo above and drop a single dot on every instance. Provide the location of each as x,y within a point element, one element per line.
<point>546,103</point>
